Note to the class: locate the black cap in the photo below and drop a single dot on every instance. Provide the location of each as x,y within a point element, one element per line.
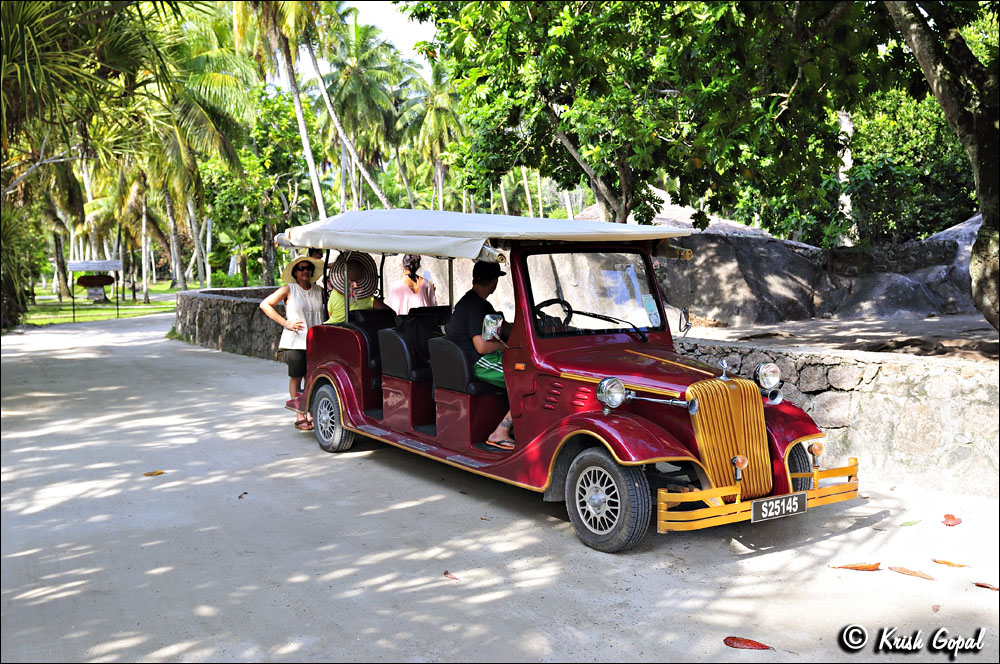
<point>485,271</point>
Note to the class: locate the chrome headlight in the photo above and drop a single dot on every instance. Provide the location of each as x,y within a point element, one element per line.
<point>611,392</point>
<point>767,375</point>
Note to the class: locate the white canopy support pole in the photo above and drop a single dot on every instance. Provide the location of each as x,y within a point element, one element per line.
<point>451,283</point>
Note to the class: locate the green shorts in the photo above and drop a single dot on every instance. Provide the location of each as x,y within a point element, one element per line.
<point>489,369</point>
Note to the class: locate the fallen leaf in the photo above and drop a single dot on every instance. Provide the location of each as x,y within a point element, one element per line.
<point>948,563</point>
<point>910,523</point>
<point>745,644</point>
<point>464,492</point>
<point>484,518</point>
<point>153,473</point>
<point>861,567</point>
<point>241,495</point>
<point>984,585</point>
<point>863,497</point>
<point>951,520</point>
<point>450,575</point>
<point>935,608</point>
<point>892,488</point>
<point>910,572</point>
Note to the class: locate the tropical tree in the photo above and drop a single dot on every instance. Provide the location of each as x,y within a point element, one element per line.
<point>432,116</point>
<point>280,24</point>
<point>355,54</point>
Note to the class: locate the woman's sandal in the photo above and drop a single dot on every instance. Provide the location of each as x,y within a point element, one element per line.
<point>303,424</point>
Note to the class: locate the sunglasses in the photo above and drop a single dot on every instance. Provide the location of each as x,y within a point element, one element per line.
<point>303,268</point>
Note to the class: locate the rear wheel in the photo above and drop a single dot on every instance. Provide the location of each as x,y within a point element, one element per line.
<point>328,421</point>
<point>609,505</point>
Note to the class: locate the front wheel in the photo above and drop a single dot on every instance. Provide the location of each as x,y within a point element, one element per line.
<point>328,422</point>
<point>609,505</point>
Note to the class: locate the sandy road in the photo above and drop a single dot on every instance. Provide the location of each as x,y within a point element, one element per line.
<point>256,545</point>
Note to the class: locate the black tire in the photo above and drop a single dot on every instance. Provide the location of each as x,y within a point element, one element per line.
<point>798,462</point>
<point>609,505</point>
<point>328,422</point>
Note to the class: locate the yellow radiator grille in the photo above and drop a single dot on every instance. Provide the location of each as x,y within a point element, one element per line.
<point>730,421</point>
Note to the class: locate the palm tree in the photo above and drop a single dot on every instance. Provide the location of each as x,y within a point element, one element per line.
<point>281,24</point>
<point>433,113</point>
<point>361,59</point>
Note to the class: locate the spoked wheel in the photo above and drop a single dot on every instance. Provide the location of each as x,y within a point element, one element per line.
<point>609,505</point>
<point>328,423</point>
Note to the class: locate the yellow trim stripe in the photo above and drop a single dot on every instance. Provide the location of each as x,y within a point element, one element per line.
<point>676,364</point>
<point>628,386</point>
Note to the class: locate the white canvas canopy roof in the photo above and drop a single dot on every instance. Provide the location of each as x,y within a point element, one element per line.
<point>454,234</point>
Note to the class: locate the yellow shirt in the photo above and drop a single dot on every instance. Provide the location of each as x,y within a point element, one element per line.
<point>335,306</point>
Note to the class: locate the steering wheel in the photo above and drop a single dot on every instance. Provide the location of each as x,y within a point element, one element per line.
<point>566,307</point>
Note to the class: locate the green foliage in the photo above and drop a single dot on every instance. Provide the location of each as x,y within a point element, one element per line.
<point>271,190</point>
<point>221,279</point>
<point>907,157</point>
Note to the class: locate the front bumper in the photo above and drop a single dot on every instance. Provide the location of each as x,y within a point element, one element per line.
<point>718,513</point>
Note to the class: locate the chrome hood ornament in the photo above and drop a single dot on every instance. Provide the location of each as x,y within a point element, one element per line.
<point>725,367</point>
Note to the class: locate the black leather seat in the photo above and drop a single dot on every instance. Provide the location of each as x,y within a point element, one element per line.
<point>452,369</point>
<point>368,322</point>
<point>399,358</point>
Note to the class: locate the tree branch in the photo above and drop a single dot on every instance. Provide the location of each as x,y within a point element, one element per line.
<point>599,182</point>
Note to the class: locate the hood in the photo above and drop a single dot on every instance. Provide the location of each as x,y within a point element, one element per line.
<point>649,367</point>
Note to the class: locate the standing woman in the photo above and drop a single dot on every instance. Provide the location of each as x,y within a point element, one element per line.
<point>412,290</point>
<point>303,309</point>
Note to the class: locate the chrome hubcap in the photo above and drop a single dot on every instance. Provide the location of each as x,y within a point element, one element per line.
<point>598,501</point>
<point>326,421</point>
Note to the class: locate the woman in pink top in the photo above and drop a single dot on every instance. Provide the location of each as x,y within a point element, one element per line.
<point>412,290</point>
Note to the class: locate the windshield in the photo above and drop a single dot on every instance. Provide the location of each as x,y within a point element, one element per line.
<point>590,293</point>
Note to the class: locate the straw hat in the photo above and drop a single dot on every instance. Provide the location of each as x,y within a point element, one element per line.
<point>316,263</point>
<point>367,283</point>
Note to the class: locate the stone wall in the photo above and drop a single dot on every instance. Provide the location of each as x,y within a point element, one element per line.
<point>932,420</point>
<point>228,319</point>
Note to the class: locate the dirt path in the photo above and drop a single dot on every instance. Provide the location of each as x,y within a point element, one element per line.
<point>254,545</point>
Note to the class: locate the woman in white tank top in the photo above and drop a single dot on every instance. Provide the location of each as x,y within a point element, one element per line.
<point>303,309</point>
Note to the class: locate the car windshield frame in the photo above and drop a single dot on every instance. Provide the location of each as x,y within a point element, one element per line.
<point>643,325</point>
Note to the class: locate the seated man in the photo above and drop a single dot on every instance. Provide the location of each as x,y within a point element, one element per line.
<point>466,329</point>
<point>363,277</point>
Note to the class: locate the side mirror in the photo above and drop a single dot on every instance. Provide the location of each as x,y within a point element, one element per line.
<point>491,327</point>
<point>684,323</point>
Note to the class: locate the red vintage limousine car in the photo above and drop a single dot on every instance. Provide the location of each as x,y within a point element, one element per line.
<point>608,417</point>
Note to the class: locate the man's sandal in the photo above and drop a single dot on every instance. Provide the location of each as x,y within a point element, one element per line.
<point>501,445</point>
<point>303,425</point>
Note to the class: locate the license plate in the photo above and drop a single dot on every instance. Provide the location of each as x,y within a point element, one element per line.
<point>775,508</point>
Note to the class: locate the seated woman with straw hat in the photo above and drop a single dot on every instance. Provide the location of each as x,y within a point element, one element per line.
<point>303,309</point>
<point>363,277</point>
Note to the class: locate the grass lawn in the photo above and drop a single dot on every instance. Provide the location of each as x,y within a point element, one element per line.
<point>48,311</point>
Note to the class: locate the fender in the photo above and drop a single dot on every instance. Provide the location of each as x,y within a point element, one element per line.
<point>337,375</point>
<point>787,425</point>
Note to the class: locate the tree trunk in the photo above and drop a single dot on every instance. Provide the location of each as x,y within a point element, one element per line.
<point>62,288</point>
<point>343,177</point>
<point>527,191</point>
<point>344,138</point>
<point>541,208</point>
<point>439,167</point>
<point>145,248</point>
<point>267,252</point>
<point>243,268</point>
<point>569,205</point>
<point>208,251</point>
<point>969,94</point>
<point>176,261</point>
<point>196,238</point>
<point>406,183</point>
<point>293,85</point>
<point>503,196</point>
